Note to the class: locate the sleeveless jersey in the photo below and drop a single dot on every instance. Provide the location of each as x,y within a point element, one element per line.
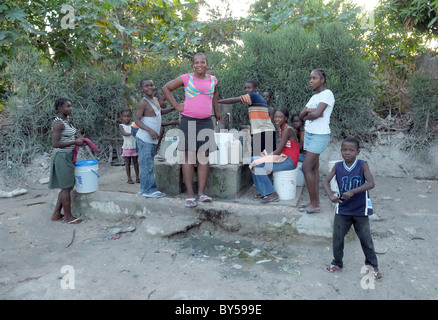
<point>349,178</point>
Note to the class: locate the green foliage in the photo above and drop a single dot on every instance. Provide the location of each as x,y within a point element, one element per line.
<point>393,44</point>
<point>281,63</point>
<point>97,100</point>
<point>424,100</point>
<point>417,14</point>
<point>308,14</point>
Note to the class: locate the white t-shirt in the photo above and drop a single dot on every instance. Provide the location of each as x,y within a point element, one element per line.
<point>322,124</point>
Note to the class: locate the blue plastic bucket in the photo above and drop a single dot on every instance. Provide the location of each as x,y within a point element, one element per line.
<point>86,176</point>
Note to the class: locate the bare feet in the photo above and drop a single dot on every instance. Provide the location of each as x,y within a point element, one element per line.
<point>56,216</point>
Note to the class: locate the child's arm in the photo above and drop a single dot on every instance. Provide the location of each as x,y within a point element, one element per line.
<point>327,189</point>
<point>230,100</point>
<point>138,115</point>
<point>312,113</point>
<point>288,134</point>
<point>215,103</point>
<point>369,184</point>
<point>123,132</point>
<point>167,110</point>
<point>171,123</point>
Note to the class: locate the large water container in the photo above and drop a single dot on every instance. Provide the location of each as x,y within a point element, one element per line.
<point>285,184</point>
<point>86,176</point>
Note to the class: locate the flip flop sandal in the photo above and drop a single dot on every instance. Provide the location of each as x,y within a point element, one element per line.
<point>312,211</point>
<point>267,199</point>
<point>190,202</point>
<point>74,221</point>
<point>130,181</point>
<point>205,198</point>
<point>156,194</point>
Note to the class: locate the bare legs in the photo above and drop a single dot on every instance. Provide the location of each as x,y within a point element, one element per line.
<point>311,175</point>
<point>188,168</point>
<point>128,168</point>
<point>63,202</point>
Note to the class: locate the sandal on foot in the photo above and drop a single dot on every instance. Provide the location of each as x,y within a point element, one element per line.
<point>309,211</point>
<point>137,180</point>
<point>267,199</point>
<point>258,196</point>
<point>204,198</point>
<point>190,202</point>
<point>156,194</point>
<point>74,221</point>
<point>332,268</point>
<point>312,211</point>
<point>130,181</point>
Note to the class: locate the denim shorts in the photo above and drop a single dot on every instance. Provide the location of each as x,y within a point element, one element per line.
<point>316,143</point>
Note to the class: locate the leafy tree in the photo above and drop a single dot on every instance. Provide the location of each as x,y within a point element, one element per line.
<point>421,15</point>
<point>309,14</point>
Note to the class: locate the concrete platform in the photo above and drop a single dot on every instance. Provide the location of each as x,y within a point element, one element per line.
<point>243,214</point>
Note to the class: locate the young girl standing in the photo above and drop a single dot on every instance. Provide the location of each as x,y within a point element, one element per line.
<point>284,157</point>
<point>316,115</point>
<point>129,144</point>
<point>62,168</point>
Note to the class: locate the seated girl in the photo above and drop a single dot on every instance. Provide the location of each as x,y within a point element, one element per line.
<point>284,157</point>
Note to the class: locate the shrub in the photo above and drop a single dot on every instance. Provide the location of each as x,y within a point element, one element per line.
<point>281,63</point>
<point>424,101</point>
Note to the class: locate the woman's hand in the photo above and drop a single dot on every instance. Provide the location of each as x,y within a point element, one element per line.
<point>179,107</point>
<point>79,142</point>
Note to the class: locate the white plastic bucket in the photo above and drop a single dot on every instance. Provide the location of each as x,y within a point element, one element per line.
<point>285,184</point>
<point>86,176</point>
<point>300,176</point>
<point>333,183</point>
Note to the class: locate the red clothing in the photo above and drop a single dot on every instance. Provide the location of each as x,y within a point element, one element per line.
<point>89,143</point>
<point>291,149</point>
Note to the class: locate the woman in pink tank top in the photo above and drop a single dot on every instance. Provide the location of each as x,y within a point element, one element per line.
<point>200,97</point>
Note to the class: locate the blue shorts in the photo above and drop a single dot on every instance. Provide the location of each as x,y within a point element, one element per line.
<point>316,143</point>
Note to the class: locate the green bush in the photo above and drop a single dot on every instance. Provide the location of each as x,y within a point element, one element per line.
<point>97,98</point>
<point>281,63</point>
<point>424,101</point>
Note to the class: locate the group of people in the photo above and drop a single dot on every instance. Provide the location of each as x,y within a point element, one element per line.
<point>197,140</point>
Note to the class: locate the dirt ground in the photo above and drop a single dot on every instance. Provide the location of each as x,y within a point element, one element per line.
<point>99,259</point>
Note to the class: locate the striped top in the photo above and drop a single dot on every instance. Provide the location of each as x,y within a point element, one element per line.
<point>199,94</point>
<point>67,135</point>
<point>191,91</point>
<point>258,112</point>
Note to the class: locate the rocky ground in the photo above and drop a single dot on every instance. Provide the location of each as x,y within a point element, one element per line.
<point>101,259</point>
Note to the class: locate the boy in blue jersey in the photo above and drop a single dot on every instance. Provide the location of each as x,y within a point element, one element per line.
<point>353,205</point>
